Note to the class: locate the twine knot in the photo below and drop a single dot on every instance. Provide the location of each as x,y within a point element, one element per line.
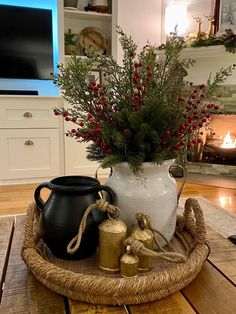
<point>136,246</point>
<point>104,206</point>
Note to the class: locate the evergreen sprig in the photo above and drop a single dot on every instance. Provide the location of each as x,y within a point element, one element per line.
<point>136,114</point>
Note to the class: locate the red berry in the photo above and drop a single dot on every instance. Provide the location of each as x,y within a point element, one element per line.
<point>81,123</point>
<point>202,86</point>
<point>149,73</point>
<point>216,107</point>
<point>198,101</point>
<point>202,95</point>
<point>73,131</point>
<point>65,113</point>
<point>67,118</point>
<point>89,116</point>
<point>73,120</point>
<point>56,113</point>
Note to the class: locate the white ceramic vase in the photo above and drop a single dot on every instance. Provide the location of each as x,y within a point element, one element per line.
<point>154,193</point>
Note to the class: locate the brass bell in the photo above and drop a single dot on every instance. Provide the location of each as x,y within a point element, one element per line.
<point>129,264</point>
<point>112,233</point>
<point>145,236</point>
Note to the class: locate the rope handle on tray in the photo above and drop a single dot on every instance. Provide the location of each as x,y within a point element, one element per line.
<point>32,228</point>
<point>192,205</point>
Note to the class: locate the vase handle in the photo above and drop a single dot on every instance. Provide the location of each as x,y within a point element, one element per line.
<point>37,197</point>
<point>96,172</point>
<point>183,171</point>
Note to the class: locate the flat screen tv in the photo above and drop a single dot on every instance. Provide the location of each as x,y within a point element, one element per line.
<point>26,43</point>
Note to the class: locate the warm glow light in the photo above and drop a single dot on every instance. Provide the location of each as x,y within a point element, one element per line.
<point>176,19</point>
<point>222,200</point>
<point>225,201</point>
<point>228,142</point>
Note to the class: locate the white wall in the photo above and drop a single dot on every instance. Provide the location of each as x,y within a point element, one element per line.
<point>140,19</point>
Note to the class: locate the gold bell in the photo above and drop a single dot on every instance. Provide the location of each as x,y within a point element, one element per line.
<point>112,233</point>
<point>145,236</point>
<point>129,264</point>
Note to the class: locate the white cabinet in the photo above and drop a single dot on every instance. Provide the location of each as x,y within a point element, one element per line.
<point>27,112</point>
<point>76,162</point>
<point>30,138</point>
<point>29,153</point>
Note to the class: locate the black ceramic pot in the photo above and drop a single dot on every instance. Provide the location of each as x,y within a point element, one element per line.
<point>62,213</point>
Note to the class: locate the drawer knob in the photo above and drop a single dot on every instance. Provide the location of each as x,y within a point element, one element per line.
<point>29,142</point>
<point>27,114</point>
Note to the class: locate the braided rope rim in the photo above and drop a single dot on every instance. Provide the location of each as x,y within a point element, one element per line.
<point>119,291</point>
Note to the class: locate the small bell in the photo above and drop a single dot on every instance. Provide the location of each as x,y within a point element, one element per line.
<point>112,233</point>
<point>145,236</point>
<point>129,264</point>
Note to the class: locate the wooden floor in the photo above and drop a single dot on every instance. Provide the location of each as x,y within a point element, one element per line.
<point>14,199</point>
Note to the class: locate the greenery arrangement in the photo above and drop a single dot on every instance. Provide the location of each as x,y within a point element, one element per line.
<point>228,40</point>
<point>136,114</point>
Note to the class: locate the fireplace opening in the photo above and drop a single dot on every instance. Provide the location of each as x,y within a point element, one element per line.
<point>218,144</point>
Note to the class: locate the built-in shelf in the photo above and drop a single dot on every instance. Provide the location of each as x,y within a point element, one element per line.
<point>87,15</point>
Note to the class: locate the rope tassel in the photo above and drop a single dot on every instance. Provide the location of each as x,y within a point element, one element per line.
<point>103,206</point>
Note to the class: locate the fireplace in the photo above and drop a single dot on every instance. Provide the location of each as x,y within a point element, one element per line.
<point>220,141</point>
<point>216,155</point>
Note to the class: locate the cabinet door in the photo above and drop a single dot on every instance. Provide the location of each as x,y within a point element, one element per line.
<point>28,112</point>
<point>29,153</point>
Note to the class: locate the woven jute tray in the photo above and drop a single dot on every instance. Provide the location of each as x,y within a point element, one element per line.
<point>83,281</point>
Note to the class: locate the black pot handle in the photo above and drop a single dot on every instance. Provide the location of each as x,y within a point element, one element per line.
<point>38,200</point>
<point>110,192</point>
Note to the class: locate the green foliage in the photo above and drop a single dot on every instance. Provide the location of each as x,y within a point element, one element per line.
<point>69,38</point>
<point>228,39</point>
<point>136,114</point>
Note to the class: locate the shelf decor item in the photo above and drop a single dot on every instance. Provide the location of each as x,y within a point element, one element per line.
<point>137,122</point>
<point>71,4</point>
<point>70,42</point>
<point>93,39</point>
<point>101,6</point>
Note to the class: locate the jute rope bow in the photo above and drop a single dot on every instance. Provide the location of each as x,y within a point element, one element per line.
<point>138,248</point>
<point>145,221</point>
<point>103,206</point>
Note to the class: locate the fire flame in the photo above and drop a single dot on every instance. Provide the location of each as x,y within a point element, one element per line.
<point>228,142</point>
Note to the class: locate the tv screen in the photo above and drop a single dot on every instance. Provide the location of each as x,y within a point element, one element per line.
<point>26,43</point>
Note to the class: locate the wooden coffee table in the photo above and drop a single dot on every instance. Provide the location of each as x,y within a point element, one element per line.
<point>213,291</point>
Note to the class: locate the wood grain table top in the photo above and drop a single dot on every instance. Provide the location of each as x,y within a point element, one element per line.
<point>213,291</point>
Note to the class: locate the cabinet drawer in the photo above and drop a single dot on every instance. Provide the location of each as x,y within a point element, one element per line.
<point>29,153</point>
<point>28,113</point>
